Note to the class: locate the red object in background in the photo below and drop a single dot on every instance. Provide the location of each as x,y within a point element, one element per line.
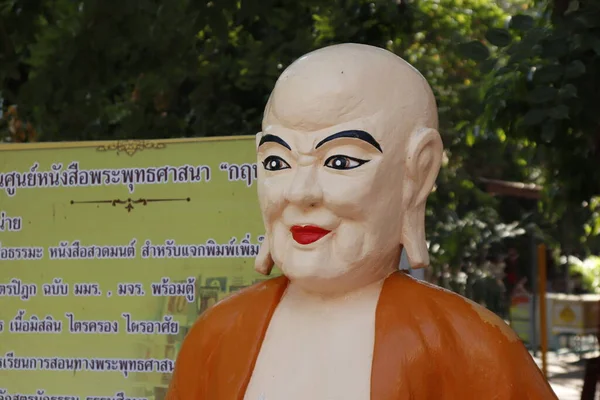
<point>512,262</point>
<point>512,277</point>
<point>519,299</point>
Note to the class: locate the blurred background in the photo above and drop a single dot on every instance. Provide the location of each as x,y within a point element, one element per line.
<point>516,82</point>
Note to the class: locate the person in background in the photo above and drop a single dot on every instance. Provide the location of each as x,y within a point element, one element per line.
<point>512,276</point>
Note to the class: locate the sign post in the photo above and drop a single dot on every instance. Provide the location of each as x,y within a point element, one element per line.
<point>541,261</point>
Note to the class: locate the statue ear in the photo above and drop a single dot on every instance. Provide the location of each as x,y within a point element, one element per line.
<point>413,238</point>
<point>423,161</point>
<point>263,264</point>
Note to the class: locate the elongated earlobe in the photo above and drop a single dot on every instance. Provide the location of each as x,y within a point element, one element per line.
<point>424,157</point>
<point>263,264</point>
<point>413,238</point>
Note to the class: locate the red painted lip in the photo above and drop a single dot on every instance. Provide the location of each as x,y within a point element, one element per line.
<point>307,234</point>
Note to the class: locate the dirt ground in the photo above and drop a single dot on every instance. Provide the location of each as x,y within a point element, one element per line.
<point>565,374</point>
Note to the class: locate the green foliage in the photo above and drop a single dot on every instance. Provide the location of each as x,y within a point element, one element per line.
<point>107,69</point>
<point>98,69</point>
<point>498,37</point>
<point>543,91</point>
<point>475,50</point>
<point>522,22</point>
<point>589,270</point>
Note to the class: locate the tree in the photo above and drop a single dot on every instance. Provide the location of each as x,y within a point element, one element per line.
<point>543,91</point>
<point>107,69</point>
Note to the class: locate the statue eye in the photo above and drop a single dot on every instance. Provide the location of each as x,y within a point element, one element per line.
<point>344,162</point>
<point>275,163</point>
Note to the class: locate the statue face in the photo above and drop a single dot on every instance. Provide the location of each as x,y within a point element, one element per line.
<point>322,194</point>
<point>331,166</point>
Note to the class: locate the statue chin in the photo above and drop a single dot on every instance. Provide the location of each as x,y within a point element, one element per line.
<point>325,275</point>
<point>341,263</point>
<point>308,267</point>
<point>319,284</point>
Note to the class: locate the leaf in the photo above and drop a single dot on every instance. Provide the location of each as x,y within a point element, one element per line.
<point>519,56</point>
<point>504,70</point>
<point>534,117</point>
<point>573,6</point>
<point>467,184</point>
<point>548,131</point>
<point>470,139</point>
<point>589,20</point>
<point>542,94</point>
<point>520,51</point>
<point>533,37</point>
<point>521,22</point>
<point>247,9</point>
<point>575,69</point>
<point>547,74</point>
<point>559,112</point>
<point>498,37</point>
<point>218,23</point>
<point>489,65</point>
<point>568,91</point>
<point>6,8</point>
<point>555,48</point>
<point>475,50</point>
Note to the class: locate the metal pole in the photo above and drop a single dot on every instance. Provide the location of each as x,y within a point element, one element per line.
<point>566,245</point>
<point>567,275</point>
<point>541,261</point>
<point>534,284</point>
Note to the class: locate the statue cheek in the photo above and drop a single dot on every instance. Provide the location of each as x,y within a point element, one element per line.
<point>271,196</point>
<point>272,212</point>
<point>352,245</point>
<point>349,201</point>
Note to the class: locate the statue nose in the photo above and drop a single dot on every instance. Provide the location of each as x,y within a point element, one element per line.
<point>305,190</point>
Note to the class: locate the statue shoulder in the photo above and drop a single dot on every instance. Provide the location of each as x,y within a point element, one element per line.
<point>227,326</point>
<point>453,312</point>
<point>459,333</point>
<point>247,301</point>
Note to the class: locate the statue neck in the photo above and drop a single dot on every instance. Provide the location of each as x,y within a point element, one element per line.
<point>309,299</point>
<point>361,280</point>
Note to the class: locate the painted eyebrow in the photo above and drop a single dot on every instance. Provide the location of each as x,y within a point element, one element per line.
<point>352,134</point>
<point>274,139</point>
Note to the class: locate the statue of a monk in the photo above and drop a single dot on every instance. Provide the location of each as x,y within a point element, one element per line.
<point>348,154</point>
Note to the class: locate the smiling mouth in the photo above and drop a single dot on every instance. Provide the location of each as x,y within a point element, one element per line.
<point>307,234</point>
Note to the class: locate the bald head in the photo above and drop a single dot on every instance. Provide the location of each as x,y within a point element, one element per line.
<point>341,83</point>
<point>349,143</point>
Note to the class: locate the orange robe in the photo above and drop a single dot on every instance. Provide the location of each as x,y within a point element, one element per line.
<point>430,344</point>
